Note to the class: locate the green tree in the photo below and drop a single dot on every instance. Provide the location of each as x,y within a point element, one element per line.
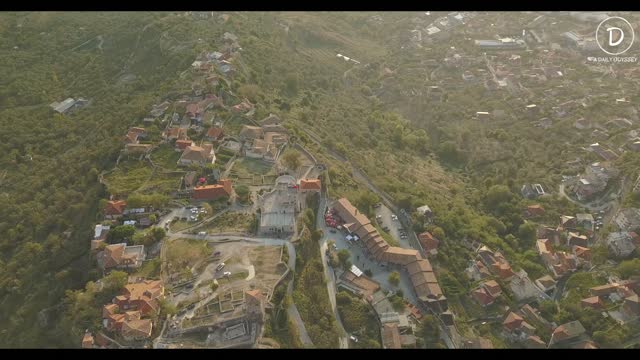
<point>291,159</point>
<point>243,193</point>
<point>291,83</point>
<point>527,233</point>
<point>394,278</point>
<point>343,257</point>
<point>249,91</point>
<point>496,195</point>
<point>158,233</point>
<point>429,330</point>
<point>628,268</point>
<point>120,233</point>
<point>167,308</point>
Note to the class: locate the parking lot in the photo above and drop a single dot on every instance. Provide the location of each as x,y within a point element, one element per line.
<point>359,259</point>
<point>384,217</point>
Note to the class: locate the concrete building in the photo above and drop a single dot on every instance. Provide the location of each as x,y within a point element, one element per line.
<point>628,219</point>
<point>502,44</point>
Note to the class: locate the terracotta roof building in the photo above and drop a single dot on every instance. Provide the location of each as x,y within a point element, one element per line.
<point>114,209</point>
<point>483,297</point>
<point>594,302</point>
<point>513,321</point>
<point>215,133</point>
<point>567,331</point>
<point>183,144</point>
<point>310,185</point>
<point>212,192</point>
<point>429,242</point>
<point>492,288</point>
<point>391,336</point>
<point>121,256</point>
<point>137,329</point>
<point>200,155</point>
<point>175,133</point>
<point>87,341</point>
<point>535,210</point>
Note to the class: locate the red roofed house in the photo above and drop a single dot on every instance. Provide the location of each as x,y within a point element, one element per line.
<point>138,300</point>
<point>142,296</point>
<point>138,329</point>
<point>215,134</point>
<point>483,297</point>
<point>566,332</point>
<point>121,256</point>
<point>512,321</point>
<point>429,242</point>
<point>492,288</point>
<point>87,341</point>
<point>200,155</point>
<point>594,302</point>
<point>175,133</point>
<point>517,328</point>
<point>309,185</point>
<point>114,209</point>
<point>535,210</point>
<point>181,144</point>
<point>212,192</point>
<point>582,254</point>
<point>133,134</point>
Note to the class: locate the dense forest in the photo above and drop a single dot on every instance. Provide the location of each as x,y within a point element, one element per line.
<point>50,163</point>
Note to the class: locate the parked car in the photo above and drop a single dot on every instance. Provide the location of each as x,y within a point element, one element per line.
<point>217,253</point>
<point>202,233</point>
<point>353,338</point>
<point>332,231</point>
<point>220,267</point>
<point>377,205</point>
<point>227,273</point>
<point>386,228</point>
<point>394,217</point>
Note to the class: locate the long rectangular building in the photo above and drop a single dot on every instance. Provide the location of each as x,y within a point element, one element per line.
<point>420,271</point>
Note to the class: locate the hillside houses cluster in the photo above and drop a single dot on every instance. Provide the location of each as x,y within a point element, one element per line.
<point>264,142</point>
<point>130,315</point>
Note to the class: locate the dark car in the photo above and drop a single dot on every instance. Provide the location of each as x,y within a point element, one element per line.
<point>332,231</point>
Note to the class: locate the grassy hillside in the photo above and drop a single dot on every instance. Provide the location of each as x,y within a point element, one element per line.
<point>50,163</point>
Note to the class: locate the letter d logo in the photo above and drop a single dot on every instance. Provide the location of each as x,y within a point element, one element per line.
<point>611,37</point>
<point>614,35</point>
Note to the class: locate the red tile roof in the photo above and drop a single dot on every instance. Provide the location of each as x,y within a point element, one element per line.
<point>87,341</point>
<point>211,192</point>
<point>428,241</point>
<point>483,297</point>
<point>594,302</point>
<point>310,184</point>
<point>513,321</point>
<point>183,144</point>
<point>115,207</point>
<point>214,132</point>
